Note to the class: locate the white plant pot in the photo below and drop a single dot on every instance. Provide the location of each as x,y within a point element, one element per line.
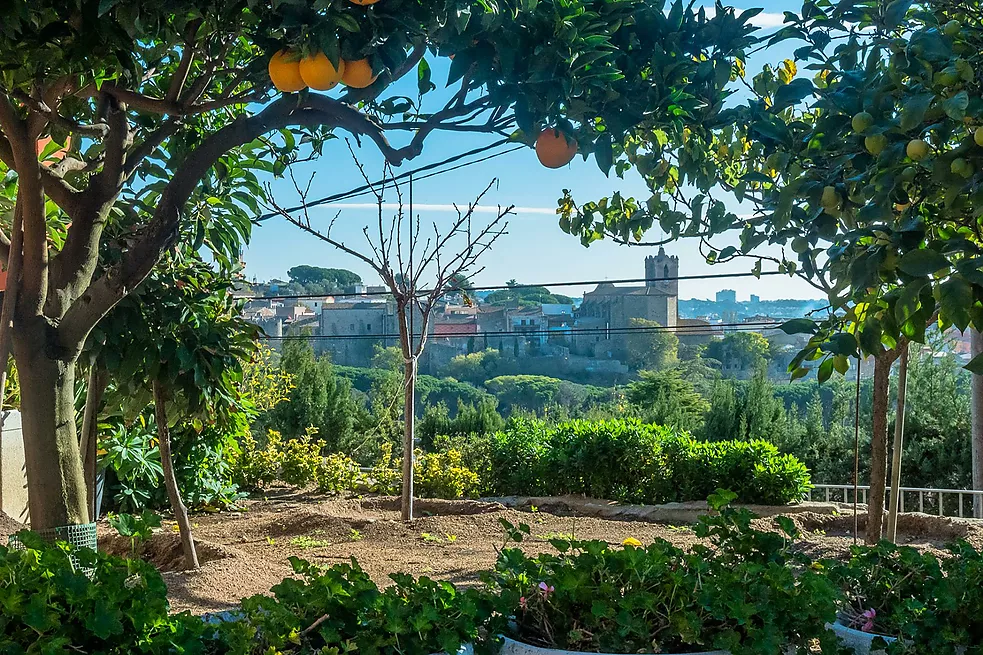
<point>860,642</point>
<point>512,647</point>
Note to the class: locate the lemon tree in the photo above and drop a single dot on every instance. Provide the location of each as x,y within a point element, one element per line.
<point>861,159</point>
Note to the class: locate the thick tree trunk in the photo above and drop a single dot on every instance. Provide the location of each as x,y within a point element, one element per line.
<point>170,481</point>
<point>977,438</point>
<point>898,448</point>
<point>878,447</point>
<point>94,391</point>
<point>55,481</point>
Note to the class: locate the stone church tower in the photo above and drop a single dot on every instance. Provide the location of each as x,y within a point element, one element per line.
<point>660,267</point>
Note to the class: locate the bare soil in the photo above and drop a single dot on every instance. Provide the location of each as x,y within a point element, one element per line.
<point>246,552</point>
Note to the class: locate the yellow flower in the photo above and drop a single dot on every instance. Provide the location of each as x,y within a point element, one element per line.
<point>632,541</point>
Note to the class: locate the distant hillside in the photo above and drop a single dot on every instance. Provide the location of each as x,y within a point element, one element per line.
<point>790,308</point>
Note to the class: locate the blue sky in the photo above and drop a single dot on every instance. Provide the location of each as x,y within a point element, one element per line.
<point>535,249</point>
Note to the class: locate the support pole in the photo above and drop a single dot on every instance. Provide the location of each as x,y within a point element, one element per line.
<point>976,346</point>
<point>898,448</point>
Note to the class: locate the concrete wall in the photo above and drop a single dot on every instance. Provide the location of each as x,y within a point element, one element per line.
<point>12,474</point>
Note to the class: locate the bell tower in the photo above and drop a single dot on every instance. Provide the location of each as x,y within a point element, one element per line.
<point>661,272</point>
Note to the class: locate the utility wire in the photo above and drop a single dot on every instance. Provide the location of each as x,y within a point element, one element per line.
<point>635,280</point>
<point>366,189</point>
<point>678,329</point>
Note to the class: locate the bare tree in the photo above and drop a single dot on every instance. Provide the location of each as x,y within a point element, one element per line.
<point>418,274</point>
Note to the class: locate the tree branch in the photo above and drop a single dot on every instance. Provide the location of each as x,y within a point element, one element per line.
<point>187,58</point>
<point>30,204</point>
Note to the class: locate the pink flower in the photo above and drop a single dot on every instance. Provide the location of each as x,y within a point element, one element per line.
<point>546,589</point>
<point>868,625</point>
<point>522,603</point>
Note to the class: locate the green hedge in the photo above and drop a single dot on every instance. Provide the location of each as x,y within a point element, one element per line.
<point>629,461</point>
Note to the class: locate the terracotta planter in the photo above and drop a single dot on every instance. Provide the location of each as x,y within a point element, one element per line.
<point>512,647</point>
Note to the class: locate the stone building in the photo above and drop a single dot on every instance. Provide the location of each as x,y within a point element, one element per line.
<point>608,309</point>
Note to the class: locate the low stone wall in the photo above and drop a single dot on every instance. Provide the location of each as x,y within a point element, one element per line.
<point>13,477</point>
<point>673,513</point>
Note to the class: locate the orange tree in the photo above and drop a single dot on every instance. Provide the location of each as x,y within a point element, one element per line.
<point>865,175</point>
<point>163,110</point>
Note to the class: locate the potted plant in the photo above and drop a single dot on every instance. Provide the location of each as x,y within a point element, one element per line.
<point>897,600</point>
<point>340,609</point>
<point>746,593</point>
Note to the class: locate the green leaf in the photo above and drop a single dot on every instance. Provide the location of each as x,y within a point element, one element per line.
<point>603,153</point>
<point>423,75</point>
<point>792,93</point>
<point>896,11</point>
<point>914,110</point>
<point>799,326</point>
<point>922,262</point>
<point>975,365</point>
<point>106,6</point>
<point>955,107</point>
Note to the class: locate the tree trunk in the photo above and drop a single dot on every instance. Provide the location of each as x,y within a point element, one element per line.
<point>898,448</point>
<point>55,481</point>
<point>170,481</point>
<point>409,426</point>
<point>878,447</point>
<point>90,433</point>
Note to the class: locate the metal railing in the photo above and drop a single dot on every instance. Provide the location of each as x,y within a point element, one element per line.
<point>942,502</point>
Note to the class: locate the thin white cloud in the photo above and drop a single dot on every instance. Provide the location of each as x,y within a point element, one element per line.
<point>424,207</point>
<point>765,20</point>
<point>768,20</point>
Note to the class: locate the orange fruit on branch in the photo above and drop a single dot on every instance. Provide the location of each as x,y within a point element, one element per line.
<point>319,73</point>
<point>554,149</point>
<point>357,74</point>
<point>285,72</point>
<point>363,3</point>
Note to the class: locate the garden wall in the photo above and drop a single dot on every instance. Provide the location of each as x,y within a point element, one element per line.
<point>13,477</point>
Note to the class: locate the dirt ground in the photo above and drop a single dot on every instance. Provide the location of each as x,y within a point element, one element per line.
<point>246,552</point>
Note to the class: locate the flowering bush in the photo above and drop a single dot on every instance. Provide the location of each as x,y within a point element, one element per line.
<point>931,605</point>
<point>749,594</point>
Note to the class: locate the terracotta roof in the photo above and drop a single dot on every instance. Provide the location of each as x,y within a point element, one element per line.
<point>441,329</point>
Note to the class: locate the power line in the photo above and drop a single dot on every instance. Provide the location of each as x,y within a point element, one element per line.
<point>677,329</point>
<point>578,283</point>
<point>366,189</point>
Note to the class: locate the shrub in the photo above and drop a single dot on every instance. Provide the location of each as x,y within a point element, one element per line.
<point>435,475</point>
<point>253,467</point>
<point>340,610</point>
<point>441,475</point>
<point>749,595</point>
<point>301,460</point>
<point>338,473</point>
<point>628,461</point>
<point>116,607</point>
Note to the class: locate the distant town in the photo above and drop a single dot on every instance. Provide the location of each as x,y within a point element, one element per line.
<point>548,331</point>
